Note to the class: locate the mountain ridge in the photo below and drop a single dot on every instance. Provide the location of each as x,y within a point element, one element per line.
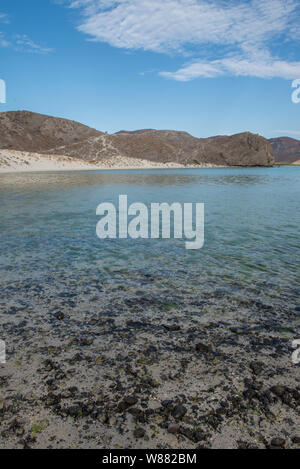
<point>32,132</point>
<point>285,149</point>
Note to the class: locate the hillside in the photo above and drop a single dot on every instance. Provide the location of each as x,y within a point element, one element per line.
<point>285,149</point>
<point>26,131</point>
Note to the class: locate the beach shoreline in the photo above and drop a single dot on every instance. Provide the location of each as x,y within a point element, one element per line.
<point>12,161</point>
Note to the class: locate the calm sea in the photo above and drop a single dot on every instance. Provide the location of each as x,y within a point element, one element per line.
<point>252,242</point>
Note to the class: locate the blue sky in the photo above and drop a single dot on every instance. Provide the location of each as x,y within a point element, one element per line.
<point>206,67</point>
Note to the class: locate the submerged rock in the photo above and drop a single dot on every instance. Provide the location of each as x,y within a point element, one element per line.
<point>139,433</point>
<point>179,412</point>
<point>173,428</point>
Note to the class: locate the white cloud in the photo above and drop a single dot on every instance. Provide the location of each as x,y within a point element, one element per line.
<point>3,41</point>
<point>4,18</point>
<point>269,67</point>
<point>23,43</point>
<point>173,24</point>
<point>244,29</point>
<point>20,42</point>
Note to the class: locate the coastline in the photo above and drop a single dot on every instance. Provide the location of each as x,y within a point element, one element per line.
<point>13,161</point>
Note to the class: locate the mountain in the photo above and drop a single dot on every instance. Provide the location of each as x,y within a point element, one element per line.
<point>243,149</point>
<point>23,130</point>
<point>285,149</point>
<point>28,131</point>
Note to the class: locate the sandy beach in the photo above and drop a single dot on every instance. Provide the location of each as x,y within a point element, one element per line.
<point>22,161</point>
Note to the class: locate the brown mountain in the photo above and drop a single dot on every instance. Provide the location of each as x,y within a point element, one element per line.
<point>243,149</point>
<point>285,149</point>
<point>28,131</point>
<point>23,130</point>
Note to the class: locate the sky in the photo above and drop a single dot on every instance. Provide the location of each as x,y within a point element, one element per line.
<point>202,66</point>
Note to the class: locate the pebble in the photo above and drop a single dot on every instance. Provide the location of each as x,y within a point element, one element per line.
<point>173,428</point>
<point>256,367</point>
<point>127,402</point>
<point>278,442</point>
<point>59,316</point>
<point>179,412</point>
<point>139,433</point>
<point>202,348</point>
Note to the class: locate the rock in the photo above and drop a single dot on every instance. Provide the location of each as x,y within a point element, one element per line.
<point>278,442</point>
<point>127,402</point>
<point>59,316</point>
<point>242,444</point>
<point>187,432</point>
<point>278,390</point>
<point>60,375</point>
<point>167,403</point>
<point>103,418</point>
<point>202,348</point>
<point>173,428</point>
<point>75,411</point>
<point>49,365</point>
<point>198,436</point>
<point>130,400</point>
<point>172,327</point>
<point>296,440</point>
<point>139,433</point>
<point>179,412</point>
<point>52,400</point>
<point>84,341</point>
<point>192,435</point>
<point>256,367</point>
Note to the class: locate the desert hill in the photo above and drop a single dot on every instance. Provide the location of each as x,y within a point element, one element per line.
<point>285,149</point>
<point>28,131</point>
<point>31,132</point>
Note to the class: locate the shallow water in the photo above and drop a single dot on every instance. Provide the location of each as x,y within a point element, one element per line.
<point>88,322</point>
<point>252,240</point>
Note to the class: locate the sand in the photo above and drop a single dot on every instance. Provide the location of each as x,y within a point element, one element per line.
<point>21,161</point>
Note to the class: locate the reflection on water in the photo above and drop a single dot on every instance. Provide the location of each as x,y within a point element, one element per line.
<point>170,177</point>
<point>48,221</point>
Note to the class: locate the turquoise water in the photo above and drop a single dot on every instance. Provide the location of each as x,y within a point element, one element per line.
<point>252,242</point>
